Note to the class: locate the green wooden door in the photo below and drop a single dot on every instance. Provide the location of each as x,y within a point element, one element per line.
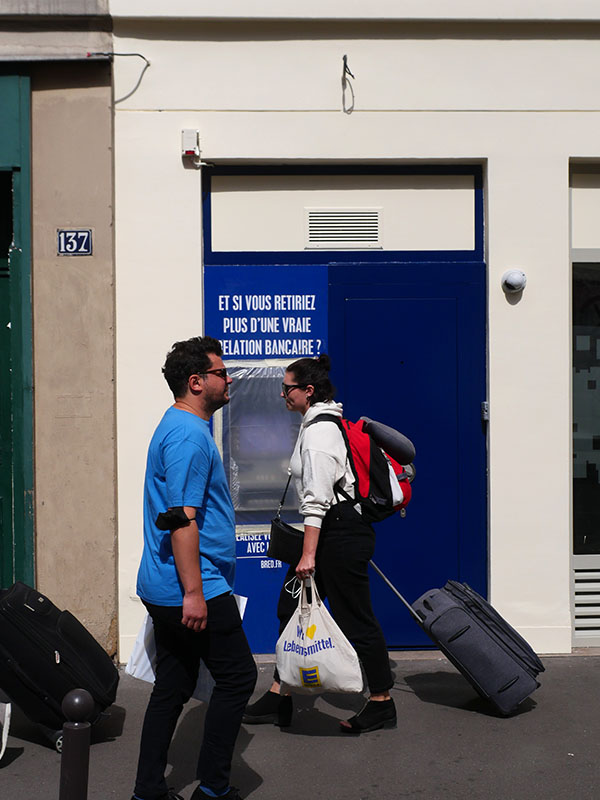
<point>6,439</point>
<point>16,430</point>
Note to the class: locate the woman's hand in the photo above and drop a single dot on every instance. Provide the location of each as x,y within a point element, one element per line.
<point>306,566</point>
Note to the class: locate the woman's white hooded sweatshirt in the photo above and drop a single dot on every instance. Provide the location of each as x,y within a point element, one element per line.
<point>319,461</point>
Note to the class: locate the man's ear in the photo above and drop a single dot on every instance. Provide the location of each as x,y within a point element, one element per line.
<point>195,384</point>
<point>310,390</point>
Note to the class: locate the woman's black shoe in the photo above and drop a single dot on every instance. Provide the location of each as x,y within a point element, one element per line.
<point>375,714</point>
<point>270,708</point>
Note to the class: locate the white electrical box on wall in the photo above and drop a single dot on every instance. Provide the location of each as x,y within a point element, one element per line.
<point>190,143</point>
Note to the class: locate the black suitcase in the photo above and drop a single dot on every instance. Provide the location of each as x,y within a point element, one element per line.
<point>45,653</point>
<point>492,656</point>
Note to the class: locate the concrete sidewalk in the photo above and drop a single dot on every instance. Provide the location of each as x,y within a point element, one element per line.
<point>447,745</point>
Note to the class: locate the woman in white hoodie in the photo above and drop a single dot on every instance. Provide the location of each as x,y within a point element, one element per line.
<point>337,547</point>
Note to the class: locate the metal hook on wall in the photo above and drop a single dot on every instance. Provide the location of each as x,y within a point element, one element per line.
<point>347,108</point>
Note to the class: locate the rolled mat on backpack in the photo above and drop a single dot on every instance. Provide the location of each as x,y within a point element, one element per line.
<point>390,440</point>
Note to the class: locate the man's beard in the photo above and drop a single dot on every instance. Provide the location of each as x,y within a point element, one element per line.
<point>217,403</point>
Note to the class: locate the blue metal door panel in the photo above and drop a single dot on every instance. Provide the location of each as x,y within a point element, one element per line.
<point>412,354</point>
<point>408,348</point>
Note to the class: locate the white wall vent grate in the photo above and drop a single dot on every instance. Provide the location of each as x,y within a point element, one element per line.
<point>586,602</point>
<point>347,228</point>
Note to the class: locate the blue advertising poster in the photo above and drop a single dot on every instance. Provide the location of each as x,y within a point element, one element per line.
<point>259,578</point>
<point>262,312</point>
<point>267,311</point>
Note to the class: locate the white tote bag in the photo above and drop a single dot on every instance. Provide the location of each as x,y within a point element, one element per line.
<point>143,657</point>
<point>313,655</point>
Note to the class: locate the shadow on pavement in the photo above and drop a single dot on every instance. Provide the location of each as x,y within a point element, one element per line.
<point>310,720</point>
<point>110,725</point>
<point>11,754</point>
<point>108,728</point>
<point>23,728</point>
<point>185,747</point>
<point>448,689</point>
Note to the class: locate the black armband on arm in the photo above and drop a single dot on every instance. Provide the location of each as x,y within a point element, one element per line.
<point>172,519</point>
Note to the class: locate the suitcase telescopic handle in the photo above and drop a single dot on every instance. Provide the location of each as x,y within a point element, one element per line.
<point>396,592</point>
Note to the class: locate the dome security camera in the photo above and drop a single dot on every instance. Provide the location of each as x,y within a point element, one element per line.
<point>513,281</point>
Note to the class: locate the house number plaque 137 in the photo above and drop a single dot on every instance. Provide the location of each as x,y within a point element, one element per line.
<point>75,242</point>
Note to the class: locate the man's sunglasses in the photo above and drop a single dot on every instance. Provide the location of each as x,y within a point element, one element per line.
<point>220,373</point>
<point>286,388</point>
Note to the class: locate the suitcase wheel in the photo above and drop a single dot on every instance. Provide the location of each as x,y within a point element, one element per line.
<point>54,737</point>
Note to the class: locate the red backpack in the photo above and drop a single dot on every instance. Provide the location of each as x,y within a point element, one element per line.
<point>371,468</point>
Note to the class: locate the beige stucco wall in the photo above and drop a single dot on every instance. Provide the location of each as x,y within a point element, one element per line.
<point>356,9</point>
<point>520,100</point>
<point>417,212</point>
<point>73,323</point>
<point>585,207</point>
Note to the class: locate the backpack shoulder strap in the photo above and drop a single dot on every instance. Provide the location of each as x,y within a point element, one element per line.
<point>340,423</point>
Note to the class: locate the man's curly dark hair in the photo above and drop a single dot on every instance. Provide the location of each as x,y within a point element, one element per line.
<point>190,357</point>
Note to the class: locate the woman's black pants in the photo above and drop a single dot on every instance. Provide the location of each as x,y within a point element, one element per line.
<point>224,649</point>
<point>346,544</point>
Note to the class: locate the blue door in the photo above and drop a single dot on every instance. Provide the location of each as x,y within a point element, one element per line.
<point>408,348</point>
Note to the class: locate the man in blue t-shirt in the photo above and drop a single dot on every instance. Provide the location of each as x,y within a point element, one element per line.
<point>186,576</point>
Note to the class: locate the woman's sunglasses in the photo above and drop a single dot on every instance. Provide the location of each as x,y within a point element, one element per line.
<point>286,388</point>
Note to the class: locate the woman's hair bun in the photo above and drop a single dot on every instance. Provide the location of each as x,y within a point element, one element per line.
<point>324,361</point>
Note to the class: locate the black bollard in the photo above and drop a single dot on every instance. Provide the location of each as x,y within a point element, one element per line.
<point>78,707</point>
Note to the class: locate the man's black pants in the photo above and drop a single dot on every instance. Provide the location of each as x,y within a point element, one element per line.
<point>224,649</point>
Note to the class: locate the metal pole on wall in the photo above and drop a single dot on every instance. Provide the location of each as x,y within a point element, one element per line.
<point>78,707</point>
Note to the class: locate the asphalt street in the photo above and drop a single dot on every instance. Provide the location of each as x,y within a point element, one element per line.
<point>448,744</point>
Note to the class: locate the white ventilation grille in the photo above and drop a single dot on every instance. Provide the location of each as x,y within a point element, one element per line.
<point>586,601</point>
<point>347,228</point>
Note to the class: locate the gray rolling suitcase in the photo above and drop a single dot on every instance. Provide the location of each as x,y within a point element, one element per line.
<point>492,656</point>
